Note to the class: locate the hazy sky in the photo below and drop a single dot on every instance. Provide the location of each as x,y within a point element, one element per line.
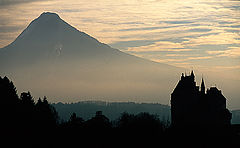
<point>199,34</point>
<point>203,35</point>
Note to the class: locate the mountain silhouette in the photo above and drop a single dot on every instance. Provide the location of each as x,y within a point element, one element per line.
<point>50,57</point>
<point>50,36</point>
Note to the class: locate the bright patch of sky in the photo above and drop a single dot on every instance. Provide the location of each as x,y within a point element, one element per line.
<point>203,34</point>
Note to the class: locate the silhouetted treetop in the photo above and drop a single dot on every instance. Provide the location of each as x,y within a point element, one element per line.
<point>26,98</point>
<point>46,113</point>
<point>8,92</point>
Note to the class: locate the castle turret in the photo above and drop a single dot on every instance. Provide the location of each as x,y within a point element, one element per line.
<point>182,77</point>
<point>192,75</point>
<point>202,87</point>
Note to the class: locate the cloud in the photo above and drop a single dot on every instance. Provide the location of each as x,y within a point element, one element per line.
<point>159,46</point>
<point>214,39</point>
<point>230,52</point>
<point>232,26</point>
<point>217,52</point>
<point>233,30</point>
<point>235,26</point>
<point>225,22</point>
<point>132,22</point>
<point>132,43</point>
<point>12,2</point>
<point>8,29</point>
<point>146,28</point>
<point>229,67</point>
<point>176,55</point>
<point>178,22</point>
<point>200,58</point>
<point>200,30</point>
<point>181,59</point>
<point>167,60</point>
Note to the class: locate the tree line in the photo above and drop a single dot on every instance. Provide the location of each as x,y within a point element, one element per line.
<point>26,122</point>
<point>113,110</point>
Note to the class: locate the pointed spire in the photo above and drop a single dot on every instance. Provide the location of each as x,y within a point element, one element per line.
<point>202,87</point>
<point>192,74</point>
<point>203,82</point>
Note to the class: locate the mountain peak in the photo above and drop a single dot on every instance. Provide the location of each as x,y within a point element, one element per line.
<point>47,23</point>
<point>49,32</point>
<point>49,15</point>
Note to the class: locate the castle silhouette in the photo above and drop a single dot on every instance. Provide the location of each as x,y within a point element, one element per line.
<point>193,106</point>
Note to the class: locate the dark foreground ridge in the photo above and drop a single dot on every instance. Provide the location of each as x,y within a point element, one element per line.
<point>28,123</point>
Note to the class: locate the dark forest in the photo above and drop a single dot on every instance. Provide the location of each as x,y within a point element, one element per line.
<point>29,123</point>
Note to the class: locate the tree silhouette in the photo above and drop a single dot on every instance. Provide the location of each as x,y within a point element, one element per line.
<point>8,92</point>
<point>98,123</point>
<point>46,114</point>
<point>27,99</point>
<point>75,121</point>
<point>140,122</point>
<point>28,111</point>
<point>25,121</point>
<point>9,106</point>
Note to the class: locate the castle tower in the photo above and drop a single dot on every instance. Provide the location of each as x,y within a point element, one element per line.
<point>182,77</point>
<point>192,75</point>
<point>202,87</point>
<point>191,106</point>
